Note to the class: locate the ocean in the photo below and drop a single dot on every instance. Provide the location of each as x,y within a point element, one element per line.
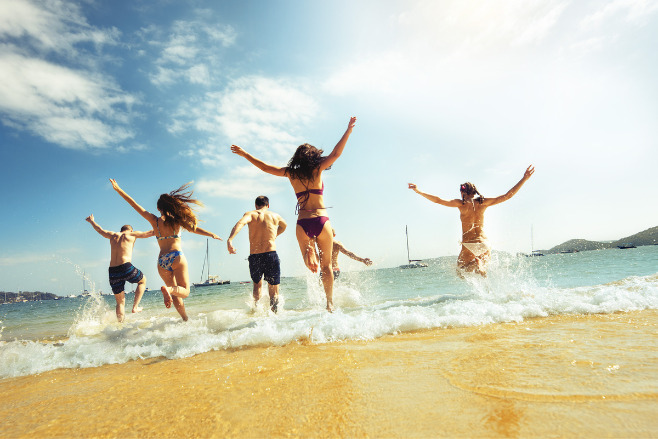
<point>82,332</point>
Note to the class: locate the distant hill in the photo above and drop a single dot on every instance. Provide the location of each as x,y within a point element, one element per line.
<point>647,237</point>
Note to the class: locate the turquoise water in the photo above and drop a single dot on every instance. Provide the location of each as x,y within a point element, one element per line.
<point>83,332</point>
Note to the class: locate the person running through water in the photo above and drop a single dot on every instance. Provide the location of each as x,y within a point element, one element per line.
<point>475,251</point>
<point>340,248</point>
<point>304,171</point>
<point>264,227</point>
<point>121,269</point>
<point>175,213</point>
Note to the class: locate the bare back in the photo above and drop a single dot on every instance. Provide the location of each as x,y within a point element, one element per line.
<point>313,205</point>
<point>263,230</point>
<point>121,245</point>
<point>471,214</point>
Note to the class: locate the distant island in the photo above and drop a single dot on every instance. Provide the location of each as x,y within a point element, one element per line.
<point>26,296</point>
<point>646,237</point>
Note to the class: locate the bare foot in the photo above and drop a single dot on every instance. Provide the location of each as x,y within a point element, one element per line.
<point>137,309</point>
<point>120,313</point>
<point>166,295</point>
<point>274,304</point>
<point>311,260</point>
<point>330,307</point>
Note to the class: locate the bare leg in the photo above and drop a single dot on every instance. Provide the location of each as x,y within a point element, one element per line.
<point>121,306</point>
<point>326,244</point>
<point>180,307</point>
<point>307,247</point>
<point>274,297</point>
<point>257,288</point>
<point>168,278</point>
<point>139,292</point>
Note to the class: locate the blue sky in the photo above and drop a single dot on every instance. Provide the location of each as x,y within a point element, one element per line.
<point>153,93</point>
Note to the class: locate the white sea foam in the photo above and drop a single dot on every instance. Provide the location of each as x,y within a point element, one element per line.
<point>96,338</point>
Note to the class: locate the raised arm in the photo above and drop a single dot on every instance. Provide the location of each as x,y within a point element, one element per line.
<point>526,175</point>
<point>340,247</point>
<point>274,170</point>
<point>246,218</point>
<point>104,233</point>
<point>434,198</point>
<point>147,215</point>
<point>340,146</point>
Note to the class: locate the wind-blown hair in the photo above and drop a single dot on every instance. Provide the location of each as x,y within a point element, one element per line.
<point>305,162</point>
<point>175,206</point>
<point>470,189</point>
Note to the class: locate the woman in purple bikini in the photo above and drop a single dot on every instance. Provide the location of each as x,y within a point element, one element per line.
<point>304,171</point>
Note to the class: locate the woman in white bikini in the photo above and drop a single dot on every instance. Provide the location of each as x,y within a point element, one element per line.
<point>304,171</point>
<point>175,213</point>
<point>475,250</point>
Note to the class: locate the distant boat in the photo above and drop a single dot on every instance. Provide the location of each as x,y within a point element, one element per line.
<point>533,252</point>
<point>413,263</point>
<point>626,245</point>
<point>569,251</point>
<point>211,279</point>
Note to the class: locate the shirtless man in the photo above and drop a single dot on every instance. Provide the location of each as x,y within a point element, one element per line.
<point>121,270</point>
<point>475,250</point>
<point>340,248</point>
<point>264,227</point>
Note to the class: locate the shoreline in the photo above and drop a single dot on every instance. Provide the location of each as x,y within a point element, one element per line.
<point>566,376</point>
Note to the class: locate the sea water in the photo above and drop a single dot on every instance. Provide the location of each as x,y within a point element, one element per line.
<point>83,331</point>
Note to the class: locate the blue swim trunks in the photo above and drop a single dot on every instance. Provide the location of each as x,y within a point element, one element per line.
<point>122,273</point>
<point>267,265</point>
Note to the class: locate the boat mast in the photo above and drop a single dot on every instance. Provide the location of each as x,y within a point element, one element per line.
<point>406,231</point>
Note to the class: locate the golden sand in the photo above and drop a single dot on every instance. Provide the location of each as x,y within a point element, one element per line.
<point>563,376</point>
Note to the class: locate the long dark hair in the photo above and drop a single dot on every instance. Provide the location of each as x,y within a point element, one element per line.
<point>175,206</point>
<point>305,162</point>
<point>470,189</point>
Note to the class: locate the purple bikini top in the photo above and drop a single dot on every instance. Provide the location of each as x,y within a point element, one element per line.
<point>310,191</point>
<point>302,197</point>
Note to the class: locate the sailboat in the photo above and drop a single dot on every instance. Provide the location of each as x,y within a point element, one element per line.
<point>211,279</point>
<point>533,252</point>
<point>413,263</point>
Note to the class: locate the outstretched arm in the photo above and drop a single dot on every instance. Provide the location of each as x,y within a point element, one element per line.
<point>147,215</point>
<point>342,249</point>
<point>492,201</point>
<point>246,218</point>
<point>204,232</point>
<point>340,146</point>
<point>434,198</point>
<point>274,170</point>
<point>143,234</point>
<point>104,233</point>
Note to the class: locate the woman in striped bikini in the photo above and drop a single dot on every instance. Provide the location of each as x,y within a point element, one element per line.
<point>475,251</point>
<point>304,171</point>
<point>175,213</point>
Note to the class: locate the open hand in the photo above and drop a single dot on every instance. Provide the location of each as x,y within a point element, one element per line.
<point>235,149</point>
<point>528,172</point>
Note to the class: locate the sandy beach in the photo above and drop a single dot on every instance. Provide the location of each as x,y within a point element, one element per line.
<point>561,376</point>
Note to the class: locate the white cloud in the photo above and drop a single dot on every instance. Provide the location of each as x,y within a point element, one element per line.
<point>187,51</point>
<point>242,183</point>
<point>70,106</point>
<point>262,114</point>
<point>631,11</point>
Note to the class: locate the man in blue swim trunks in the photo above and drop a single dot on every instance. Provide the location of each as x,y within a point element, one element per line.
<point>121,269</point>
<point>264,227</point>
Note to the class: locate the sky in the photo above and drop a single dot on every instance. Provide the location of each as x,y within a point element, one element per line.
<point>153,93</point>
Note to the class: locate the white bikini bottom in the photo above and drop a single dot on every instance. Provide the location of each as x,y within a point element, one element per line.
<point>477,248</point>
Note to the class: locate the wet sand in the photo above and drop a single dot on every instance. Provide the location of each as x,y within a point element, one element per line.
<point>562,376</point>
